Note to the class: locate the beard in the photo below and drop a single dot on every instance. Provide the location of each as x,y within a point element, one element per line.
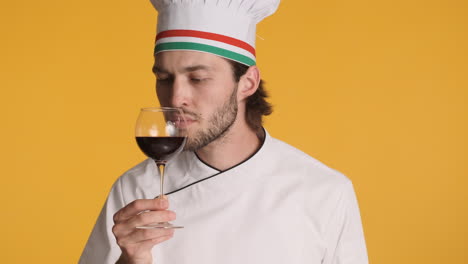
<point>218,124</point>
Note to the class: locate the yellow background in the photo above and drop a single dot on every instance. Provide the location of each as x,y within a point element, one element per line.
<point>375,89</point>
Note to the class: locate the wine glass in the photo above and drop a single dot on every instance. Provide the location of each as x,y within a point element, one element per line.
<point>160,134</point>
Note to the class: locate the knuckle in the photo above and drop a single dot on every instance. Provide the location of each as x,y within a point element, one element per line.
<point>133,205</point>
<point>120,242</point>
<point>116,217</point>
<point>115,230</point>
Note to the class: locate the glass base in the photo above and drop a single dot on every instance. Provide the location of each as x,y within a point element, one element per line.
<point>162,225</point>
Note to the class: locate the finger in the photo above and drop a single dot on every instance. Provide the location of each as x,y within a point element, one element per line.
<point>144,235</point>
<point>151,217</point>
<point>148,244</point>
<point>138,206</point>
<point>161,239</point>
<point>127,226</point>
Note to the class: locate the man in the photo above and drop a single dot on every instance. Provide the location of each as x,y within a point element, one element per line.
<point>243,196</point>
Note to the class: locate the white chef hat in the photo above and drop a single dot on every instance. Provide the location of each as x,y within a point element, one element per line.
<point>222,27</point>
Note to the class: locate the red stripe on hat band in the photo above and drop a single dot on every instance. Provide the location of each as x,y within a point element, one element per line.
<point>206,35</point>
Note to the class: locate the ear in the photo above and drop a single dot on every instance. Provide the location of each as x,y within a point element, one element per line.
<point>248,83</point>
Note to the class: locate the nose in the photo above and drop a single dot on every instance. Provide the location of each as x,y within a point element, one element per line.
<point>174,92</point>
<point>180,93</point>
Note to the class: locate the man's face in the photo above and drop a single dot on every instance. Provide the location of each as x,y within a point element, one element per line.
<point>203,85</point>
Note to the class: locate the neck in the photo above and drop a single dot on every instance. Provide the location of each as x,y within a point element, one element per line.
<point>238,144</point>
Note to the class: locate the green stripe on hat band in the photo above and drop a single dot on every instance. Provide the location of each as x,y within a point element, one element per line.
<point>206,48</point>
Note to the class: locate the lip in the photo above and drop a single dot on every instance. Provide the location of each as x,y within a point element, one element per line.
<point>184,124</point>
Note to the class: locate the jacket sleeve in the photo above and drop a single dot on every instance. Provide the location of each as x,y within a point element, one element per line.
<point>101,246</point>
<point>344,234</point>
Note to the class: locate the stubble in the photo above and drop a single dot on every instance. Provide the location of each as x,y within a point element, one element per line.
<point>218,124</point>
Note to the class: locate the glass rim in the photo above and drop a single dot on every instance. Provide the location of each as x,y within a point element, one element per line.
<point>160,109</point>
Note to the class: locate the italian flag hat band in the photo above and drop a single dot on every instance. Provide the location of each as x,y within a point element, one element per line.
<point>217,44</point>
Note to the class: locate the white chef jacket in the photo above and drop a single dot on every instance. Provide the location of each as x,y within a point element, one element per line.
<point>278,206</point>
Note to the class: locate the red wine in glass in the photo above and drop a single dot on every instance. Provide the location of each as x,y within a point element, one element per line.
<point>161,148</point>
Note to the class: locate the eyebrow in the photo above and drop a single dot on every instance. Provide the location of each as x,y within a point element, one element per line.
<point>193,68</point>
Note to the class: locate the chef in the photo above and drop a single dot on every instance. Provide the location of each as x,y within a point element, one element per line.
<point>241,195</point>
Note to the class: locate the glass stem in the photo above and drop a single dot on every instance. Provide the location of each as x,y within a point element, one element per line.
<point>161,167</point>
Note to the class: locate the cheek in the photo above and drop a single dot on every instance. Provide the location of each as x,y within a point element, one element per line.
<point>208,106</point>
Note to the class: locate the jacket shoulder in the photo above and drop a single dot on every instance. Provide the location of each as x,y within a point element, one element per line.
<point>303,164</point>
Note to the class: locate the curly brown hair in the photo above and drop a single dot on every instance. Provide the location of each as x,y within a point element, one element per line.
<point>256,106</point>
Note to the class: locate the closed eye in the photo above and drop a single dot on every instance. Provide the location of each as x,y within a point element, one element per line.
<point>163,77</point>
<point>199,80</point>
